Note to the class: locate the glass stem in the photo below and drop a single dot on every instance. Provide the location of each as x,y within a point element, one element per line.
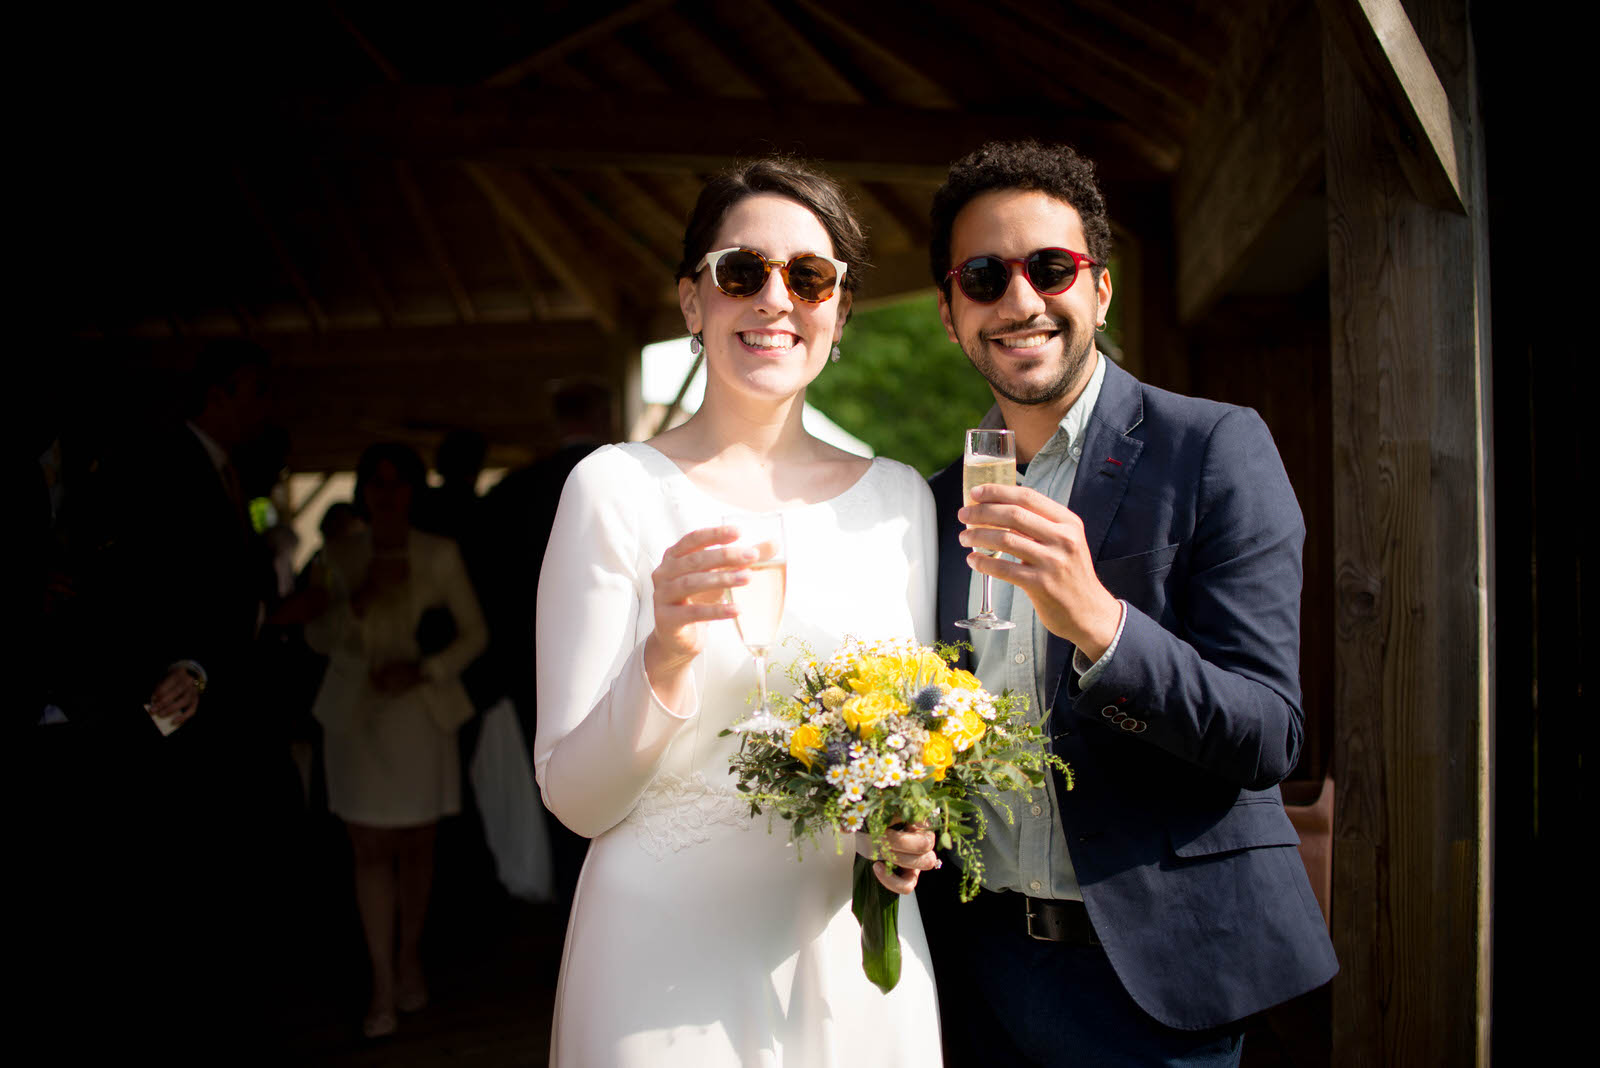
<point>761,680</point>
<point>984,612</point>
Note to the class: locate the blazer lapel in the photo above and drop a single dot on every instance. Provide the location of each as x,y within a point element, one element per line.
<point>1104,472</point>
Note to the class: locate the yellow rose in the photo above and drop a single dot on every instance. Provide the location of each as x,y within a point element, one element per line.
<point>960,679</point>
<point>833,698</point>
<point>938,753</point>
<point>805,740</point>
<point>963,728</point>
<point>864,710</point>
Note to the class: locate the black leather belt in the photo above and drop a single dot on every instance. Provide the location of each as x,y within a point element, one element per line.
<point>1045,919</point>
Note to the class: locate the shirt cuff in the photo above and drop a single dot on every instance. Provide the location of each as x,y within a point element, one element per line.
<point>193,667</point>
<point>1088,673</point>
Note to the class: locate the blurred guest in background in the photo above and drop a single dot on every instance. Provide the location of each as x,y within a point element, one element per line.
<point>390,714</point>
<point>521,509</point>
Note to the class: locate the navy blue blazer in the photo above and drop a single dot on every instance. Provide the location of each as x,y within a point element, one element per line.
<point>1176,828</point>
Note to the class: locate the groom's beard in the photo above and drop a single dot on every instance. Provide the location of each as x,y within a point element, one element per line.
<point>1077,345</point>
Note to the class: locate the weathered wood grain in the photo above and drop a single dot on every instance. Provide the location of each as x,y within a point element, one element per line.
<point>1410,645</point>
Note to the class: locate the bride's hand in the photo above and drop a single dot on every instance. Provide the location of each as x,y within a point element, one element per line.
<point>689,592</point>
<point>911,849</point>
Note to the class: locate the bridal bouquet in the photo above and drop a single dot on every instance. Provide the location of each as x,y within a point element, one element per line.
<point>886,733</point>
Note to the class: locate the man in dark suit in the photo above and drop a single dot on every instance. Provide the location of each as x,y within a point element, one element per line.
<point>1152,576</point>
<point>155,683</point>
<point>522,511</point>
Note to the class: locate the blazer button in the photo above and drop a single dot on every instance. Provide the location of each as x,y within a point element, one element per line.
<point>1130,724</point>
<point>1109,711</point>
<point>1120,717</point>
<point>1140,728</point>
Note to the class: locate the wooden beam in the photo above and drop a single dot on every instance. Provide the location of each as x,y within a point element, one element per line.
<point>1125,78</point>
<point>1257,144</point>
<point>649,262</point>
<point>433,240</point>
<point>576,130</point>
<point>354,246</point>
<point>537,305</point>
<point>902,82</point>
<point>569,39</point>
<point>532,218</point>
<point>1413,644</point>
<point>1388,58</point>
<point>280,252</point>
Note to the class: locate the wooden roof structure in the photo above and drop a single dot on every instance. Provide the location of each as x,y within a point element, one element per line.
<point>501,192</point>
<point>429,216</point>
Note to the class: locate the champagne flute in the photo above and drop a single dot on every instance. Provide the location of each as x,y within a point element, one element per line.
<point>760,602</point>
<point>990,456</point>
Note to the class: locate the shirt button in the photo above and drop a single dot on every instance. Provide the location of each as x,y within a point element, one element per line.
<point>1038,810</point>
<point>1020,658</point>
<point>1036,886</point>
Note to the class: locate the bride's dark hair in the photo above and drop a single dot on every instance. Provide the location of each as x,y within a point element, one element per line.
<point>787,177</point>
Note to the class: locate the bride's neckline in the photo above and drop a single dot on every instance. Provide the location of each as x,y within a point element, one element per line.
<point>682,476</point>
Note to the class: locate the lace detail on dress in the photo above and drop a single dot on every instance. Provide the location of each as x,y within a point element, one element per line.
<point>676,813</point>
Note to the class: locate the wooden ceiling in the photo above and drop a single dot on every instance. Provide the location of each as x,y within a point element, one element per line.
<point>469,201</point>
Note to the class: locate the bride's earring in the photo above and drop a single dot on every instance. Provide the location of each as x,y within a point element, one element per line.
<point>834,355</point>
<point>696,346</point>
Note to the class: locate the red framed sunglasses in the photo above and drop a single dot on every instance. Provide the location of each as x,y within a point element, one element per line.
<point>742,272</point>
<point>1050,271</point>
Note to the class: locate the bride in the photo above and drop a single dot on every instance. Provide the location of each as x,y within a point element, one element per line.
<point>696,938</point>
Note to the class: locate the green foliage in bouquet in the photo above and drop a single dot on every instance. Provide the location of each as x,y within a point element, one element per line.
<point>887,733</point>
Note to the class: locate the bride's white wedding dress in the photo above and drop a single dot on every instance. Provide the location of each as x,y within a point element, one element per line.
<point>696,937</point>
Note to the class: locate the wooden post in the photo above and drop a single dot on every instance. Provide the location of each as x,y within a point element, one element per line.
<point>1408,298</point>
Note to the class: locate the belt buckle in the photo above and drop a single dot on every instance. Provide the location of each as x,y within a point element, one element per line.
<point>1043,933</point>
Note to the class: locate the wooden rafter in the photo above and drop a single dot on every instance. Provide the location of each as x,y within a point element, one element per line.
<point>354,246</point>
<point>434,241</point>
<point>1389,60</point>
<point>573,38</point>
<point>1049,48</point>
<point>532,218</point>
<point>538,307</point>
<point>698,65</point>
<point>823,82</point>
<point>280,252</point>
<point>389,70</point>
<point>903,83</point>
<point>605,223</point>
<point>1182,36</point>
<point>574,130</point>
<point>1258,143</point>
<point>1083,39</point>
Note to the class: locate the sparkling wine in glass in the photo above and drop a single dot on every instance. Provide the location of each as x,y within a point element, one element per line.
<point>990,456</point>
<point>760,603</point>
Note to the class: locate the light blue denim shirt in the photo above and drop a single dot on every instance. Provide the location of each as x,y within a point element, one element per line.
<point>1030,855</point>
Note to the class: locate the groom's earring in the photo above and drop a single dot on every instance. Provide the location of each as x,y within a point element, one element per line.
<point>834,355</point>
<point>696,346</point>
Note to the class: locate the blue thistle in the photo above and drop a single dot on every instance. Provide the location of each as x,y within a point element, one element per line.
<point>928,698</point>
<point>838,752</point>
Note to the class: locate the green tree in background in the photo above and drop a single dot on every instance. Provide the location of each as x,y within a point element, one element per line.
<point>901,386</point>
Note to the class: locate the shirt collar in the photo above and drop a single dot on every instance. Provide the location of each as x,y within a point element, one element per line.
<point>1074,422</point>
<point>219,455</point>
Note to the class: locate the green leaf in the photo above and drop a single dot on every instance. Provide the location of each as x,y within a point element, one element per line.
<point>877,909</point>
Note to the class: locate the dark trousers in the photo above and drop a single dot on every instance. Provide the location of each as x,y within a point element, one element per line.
<point>1007,998</point>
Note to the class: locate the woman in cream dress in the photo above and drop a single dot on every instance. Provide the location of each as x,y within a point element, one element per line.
<point>696,937</point>
<point>389,715</point>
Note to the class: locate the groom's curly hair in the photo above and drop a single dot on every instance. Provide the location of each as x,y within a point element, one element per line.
<point>1028,166</point>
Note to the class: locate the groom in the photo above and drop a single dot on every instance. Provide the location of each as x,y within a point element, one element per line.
<point>1153,579</point>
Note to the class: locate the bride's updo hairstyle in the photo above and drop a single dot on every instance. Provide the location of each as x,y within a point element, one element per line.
<point>786,177</point>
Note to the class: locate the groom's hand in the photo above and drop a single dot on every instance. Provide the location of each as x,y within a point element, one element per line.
<point>910,850</point>
<point>1054,565</point>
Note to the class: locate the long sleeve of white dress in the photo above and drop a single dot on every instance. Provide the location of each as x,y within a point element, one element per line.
<point>602,732</point>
